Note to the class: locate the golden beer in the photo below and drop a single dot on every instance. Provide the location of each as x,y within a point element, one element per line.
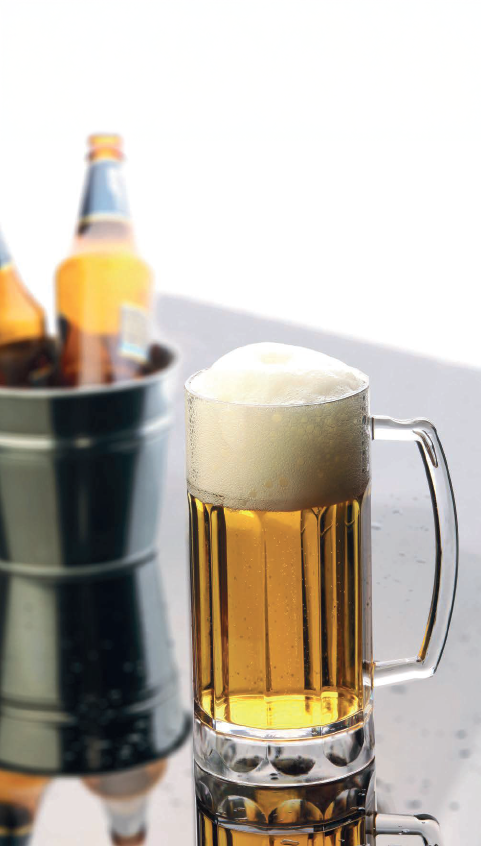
<point>278,604</point>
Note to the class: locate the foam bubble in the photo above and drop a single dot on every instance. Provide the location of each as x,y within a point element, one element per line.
<point>279,428</point>
<point>277,374</point>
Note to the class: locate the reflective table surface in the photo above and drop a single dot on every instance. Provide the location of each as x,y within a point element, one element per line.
<point>428,733</point>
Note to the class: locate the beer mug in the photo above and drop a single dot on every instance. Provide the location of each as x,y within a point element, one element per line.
<point>342,812</point>
<point>279,498</point>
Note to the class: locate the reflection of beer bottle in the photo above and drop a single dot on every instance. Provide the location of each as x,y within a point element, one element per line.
<point>124,796</point>
<point>22,325</point>
<point>104,288</point>
<point>19,799</point>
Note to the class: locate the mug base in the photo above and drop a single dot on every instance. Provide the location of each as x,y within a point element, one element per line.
<point>285,760</point>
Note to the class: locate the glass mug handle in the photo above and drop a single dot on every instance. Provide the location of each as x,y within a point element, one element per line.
<point>422,825</point>
<point>425,664</point>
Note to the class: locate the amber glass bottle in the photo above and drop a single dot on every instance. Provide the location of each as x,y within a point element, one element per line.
<point>20,796</point>
<point>22,326</point>
<point>125,797</point>
<point>103,288</point>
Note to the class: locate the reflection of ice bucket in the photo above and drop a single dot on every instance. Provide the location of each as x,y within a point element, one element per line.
<point>87,675</point>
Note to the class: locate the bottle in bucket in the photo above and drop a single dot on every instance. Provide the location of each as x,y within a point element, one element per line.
<point>103,289</point>
<point>24,348</point>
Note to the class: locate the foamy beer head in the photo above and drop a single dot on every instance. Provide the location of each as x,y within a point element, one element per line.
<point>278,428</point>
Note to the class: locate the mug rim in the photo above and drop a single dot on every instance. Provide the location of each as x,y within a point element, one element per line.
<point>188,391</point>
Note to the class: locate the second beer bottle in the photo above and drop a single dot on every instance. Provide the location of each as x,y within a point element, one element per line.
<point>104,288</point>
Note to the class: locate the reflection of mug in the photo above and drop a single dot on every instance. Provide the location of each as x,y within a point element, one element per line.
<point>341,812</point>
<point>281,571</point>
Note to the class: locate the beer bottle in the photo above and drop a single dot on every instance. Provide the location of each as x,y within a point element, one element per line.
<point>22,325</point>
<point>20,796</point>
<point>103,288</point>
<point>125,796</point>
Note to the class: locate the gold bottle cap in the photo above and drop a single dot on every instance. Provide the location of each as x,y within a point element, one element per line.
<point>105,146</point>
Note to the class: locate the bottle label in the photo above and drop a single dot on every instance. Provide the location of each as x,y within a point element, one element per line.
<point>105,195</point>
<point>134,332</point>
<point>5,257</point>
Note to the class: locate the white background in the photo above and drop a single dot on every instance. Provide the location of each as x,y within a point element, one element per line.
<point>315,161</point>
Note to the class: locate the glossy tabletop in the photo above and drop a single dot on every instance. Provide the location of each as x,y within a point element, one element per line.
<point>428,733</point>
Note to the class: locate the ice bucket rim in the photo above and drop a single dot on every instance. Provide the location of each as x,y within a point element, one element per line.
<point>161,372</point>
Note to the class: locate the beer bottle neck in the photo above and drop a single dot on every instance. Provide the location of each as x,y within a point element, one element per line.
<point>104,212</point>
<point>5,257</point>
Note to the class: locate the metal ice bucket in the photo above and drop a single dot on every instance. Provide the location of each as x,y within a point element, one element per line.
<point>87,675</point>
